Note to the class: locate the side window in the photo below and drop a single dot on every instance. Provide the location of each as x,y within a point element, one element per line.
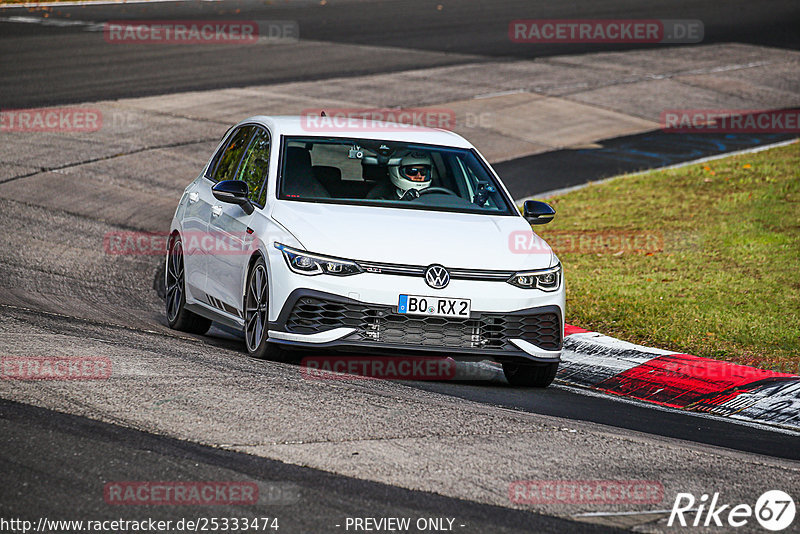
<point>232,155</point>
<point>255,166</point>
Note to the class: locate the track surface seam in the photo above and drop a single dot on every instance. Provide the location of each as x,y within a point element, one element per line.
<point>106,158</point>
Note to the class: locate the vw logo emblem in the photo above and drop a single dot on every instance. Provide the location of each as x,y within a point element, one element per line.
<point>437,277</point>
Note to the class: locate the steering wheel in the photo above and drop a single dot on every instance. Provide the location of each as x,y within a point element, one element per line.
<point>428,190</point>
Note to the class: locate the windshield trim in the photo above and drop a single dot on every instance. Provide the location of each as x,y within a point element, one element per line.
<point>511,209</point>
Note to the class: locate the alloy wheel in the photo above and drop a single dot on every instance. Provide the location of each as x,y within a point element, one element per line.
<point>256,308</point>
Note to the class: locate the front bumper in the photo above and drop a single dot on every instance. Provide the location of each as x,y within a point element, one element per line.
<point>313,318</point>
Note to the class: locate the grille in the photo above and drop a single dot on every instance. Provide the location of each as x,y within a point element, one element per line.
<point>380,324</point>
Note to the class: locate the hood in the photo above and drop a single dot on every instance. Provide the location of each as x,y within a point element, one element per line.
<point>415,237</point>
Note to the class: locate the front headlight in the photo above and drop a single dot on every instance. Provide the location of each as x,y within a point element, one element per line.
<point>302,262</point>
<point>544,279</point>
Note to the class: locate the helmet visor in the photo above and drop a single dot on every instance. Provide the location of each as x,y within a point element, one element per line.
<point>416,173</point>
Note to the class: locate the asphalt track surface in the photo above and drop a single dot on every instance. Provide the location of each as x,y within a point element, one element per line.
<point>48,65</point>
<point>56,65</point>
<point>304,500</point>
<point>571,403</point>
<point>55,464</point>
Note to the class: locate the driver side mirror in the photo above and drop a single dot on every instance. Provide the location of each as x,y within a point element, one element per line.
<point>536,212</point>
<point>233,192</point>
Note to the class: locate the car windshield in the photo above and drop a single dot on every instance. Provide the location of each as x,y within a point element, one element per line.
<point>388,173</point>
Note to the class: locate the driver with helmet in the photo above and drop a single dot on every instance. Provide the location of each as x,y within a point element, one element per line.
<point>408,175</point>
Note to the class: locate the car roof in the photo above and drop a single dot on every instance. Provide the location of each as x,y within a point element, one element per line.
<point>314,126</point>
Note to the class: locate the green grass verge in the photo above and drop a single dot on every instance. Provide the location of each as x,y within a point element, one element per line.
<point>709,264</point>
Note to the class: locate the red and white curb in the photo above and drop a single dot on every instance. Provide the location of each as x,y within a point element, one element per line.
<point>609,365</point>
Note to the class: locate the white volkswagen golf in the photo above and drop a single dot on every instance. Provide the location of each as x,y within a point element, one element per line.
<point>371,237</point>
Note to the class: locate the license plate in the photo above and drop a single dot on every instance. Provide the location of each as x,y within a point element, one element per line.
<point>435,306</point>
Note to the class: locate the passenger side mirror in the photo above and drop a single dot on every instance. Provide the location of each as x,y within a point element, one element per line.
<point>233,192</point>
<point>536,212</point>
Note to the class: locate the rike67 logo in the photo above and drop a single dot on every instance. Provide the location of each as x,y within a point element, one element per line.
<point>774,510</point>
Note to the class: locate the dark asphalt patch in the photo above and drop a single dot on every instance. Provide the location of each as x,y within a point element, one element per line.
<point>57,465</point>
<point>558,169</point>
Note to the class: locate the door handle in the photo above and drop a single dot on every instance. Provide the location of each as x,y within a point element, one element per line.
<point>216,211</point>
<point>194,196</point>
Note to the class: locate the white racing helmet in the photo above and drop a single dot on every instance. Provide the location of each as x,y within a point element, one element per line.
<point>412,171</point>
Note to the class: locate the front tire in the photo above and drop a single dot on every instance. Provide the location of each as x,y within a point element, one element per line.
<point>530,375</point>
<point>256,316</point>
<point>178,317</point>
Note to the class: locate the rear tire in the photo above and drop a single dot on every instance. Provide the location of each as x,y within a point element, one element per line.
<point>178,317</point>
<point>256,316</point>
<point>530,375</point>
